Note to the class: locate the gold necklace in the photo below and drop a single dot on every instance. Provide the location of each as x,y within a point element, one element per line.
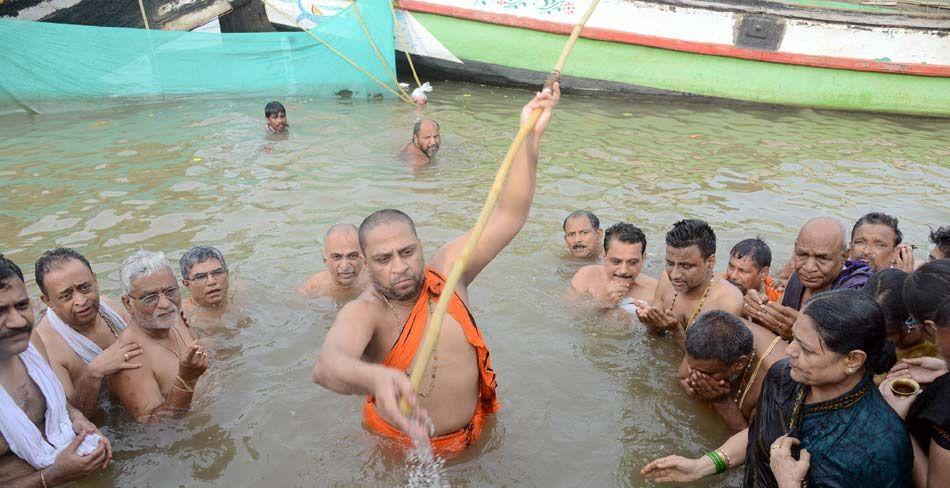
<point>702,300</point>
<point>112,327</point>
<point>435,351</point>
<point>178,341</point>
<point>745,381</point>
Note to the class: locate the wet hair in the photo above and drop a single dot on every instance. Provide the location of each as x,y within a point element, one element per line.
<point>719,335</point>
<point>926,287</point>
<point>53,257</point>
<point>142,263</point>
<point>418,125</point>
<point>594,221</point>
<point>941,238</point>
<point>886,288</point>
<point>9,269</point>
<point>384,216</point>
<point>755,249</point>
<point>198,255</point>
<point>627,233</point>
<point>878,218</point>
<point>942,319</point>
<point>274,108</point>
<point>692,232</point>
<point>847,320</point>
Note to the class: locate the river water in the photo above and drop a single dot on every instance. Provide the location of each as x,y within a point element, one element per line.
<point>585,403</point>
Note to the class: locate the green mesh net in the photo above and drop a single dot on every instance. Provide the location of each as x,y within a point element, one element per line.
<point>48,67</point>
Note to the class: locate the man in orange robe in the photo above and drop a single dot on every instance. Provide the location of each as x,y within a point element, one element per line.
<point>374,339</point>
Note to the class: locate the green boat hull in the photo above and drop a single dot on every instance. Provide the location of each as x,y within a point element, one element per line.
<point>697,74</point>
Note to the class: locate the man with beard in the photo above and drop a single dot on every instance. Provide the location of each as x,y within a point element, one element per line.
<point>820,263</point>
<point>727,361</point>
<point>748,269</point>
<point>344,279</point>
<point>424,144</point>
<point>618,281</point>
<point>45,441</point>
<point>583,235</point>
<point>876,241</point>
<point>80,328</point>
<point>205,273</point>
<point>172,360</point>
<point>374,338</point>
<point>690,286</point>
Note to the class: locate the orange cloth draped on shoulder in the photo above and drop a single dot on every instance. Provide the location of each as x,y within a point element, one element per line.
<point>771,290</point>
<point>401,355</point>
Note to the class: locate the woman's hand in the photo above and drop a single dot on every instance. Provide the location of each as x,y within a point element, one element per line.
<point>787,471</point>
<point>678,469</point>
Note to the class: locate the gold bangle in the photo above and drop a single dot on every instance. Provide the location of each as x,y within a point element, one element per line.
<point>725,457</point>
<point>183,383</point>
<point>43,477</point>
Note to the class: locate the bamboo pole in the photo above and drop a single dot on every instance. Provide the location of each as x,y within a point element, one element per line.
<point>431,337</point>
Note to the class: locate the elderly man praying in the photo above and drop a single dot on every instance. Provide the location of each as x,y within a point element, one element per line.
<point>172,360</point>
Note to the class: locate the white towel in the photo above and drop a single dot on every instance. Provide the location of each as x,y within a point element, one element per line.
<point>80,344</point>
<point>24,438</point>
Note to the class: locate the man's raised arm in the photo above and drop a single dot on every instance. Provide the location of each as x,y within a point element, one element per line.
<point>515,200</point>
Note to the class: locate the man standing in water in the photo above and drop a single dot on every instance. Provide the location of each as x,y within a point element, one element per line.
<point>172,360</point>
<point>749,264</point>
<point>33,403</point>
<point>424,144</point>
<point>80,328</point>
<point>344,279</point>
<point>374,338</point>
<point>820,263</point>
<point>690,286</point>
<point>618,281</point>
<point>276,116</point>
<point>876,241</point>
<point>205,273</point>
<point>583,235</point>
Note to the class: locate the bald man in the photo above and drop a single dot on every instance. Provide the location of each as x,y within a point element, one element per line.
<point>425,143</point>
<point>345,278</point>
<point>819,263</point>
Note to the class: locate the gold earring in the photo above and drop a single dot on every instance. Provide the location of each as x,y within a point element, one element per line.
<point>849,372</point>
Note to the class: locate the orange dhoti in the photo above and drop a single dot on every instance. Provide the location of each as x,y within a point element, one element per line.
<point>401,355</point>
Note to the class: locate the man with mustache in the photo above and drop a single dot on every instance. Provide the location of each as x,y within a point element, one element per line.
<point>820,263</point>
<point>618,281</point>
<point>205,274</point>
<point>583,235</point>
<point>749,264</point>
<point>172,360</point>
<point>424,144</point>
<point>44,441</point>
<point>876,241</point>
<point>689,286</point>
<point>80,328</point>
<point>374,338</point>
<point>344,279</point>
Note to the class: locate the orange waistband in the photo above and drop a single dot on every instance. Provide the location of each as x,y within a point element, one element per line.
<point>447,445</point>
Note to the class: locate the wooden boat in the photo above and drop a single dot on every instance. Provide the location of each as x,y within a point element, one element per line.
<point>161,14</point>
<point>846,55</point>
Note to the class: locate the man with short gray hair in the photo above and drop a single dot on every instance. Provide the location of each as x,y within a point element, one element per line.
<point>205,274</point>
<point>344,279</point>
<point>172,360</point>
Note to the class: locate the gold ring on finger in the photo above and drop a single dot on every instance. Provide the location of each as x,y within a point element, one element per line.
<point>126,356</point>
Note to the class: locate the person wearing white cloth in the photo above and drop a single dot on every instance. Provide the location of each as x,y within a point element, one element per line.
<point>172,360</point>
<point>80,328</point>
<point>45,441</point>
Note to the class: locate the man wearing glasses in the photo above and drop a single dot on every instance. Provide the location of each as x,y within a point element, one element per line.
<point>172,360</point>
<point>205,274</point>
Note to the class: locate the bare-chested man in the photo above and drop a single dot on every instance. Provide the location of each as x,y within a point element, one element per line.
<point>205,273</point>
<point>43,439</point>
<point>819,263</point>
<point>690,286</point>
<point>583,235</point>
<point>726,362</point>
<point>172,360</point>
<point>617,282</point>
<point>374,338</point>
<point>80,328</point>
<point>344,279</point>
<point>425,143</point>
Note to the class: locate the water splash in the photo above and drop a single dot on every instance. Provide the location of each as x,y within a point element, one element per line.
<point>425,469</point>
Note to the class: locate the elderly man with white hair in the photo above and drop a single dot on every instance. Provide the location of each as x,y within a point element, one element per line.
<point>172,360</point>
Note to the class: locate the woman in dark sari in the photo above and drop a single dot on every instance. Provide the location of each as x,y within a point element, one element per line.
<point>821,401</point>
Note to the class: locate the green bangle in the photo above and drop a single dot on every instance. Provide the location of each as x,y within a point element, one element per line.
<point>717,461</point>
